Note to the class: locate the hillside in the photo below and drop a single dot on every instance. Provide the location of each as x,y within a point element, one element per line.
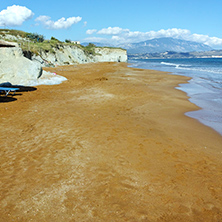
<point>165,44</point>
<point>160,45</point>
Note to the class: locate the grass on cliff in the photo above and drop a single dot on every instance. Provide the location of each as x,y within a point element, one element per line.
<point>38,47</point>
<point>13,32</point>
<point>50,46</point>
<point>31,42</point>
<point>89,49</point>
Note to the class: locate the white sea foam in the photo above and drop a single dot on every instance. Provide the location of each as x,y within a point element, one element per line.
<point>209,69</point>
<point>175,64</point>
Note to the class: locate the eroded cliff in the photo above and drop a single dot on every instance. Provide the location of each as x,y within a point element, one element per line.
<point>72,54</point>
<point>21,65</point>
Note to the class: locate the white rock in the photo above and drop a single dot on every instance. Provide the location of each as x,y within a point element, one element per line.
<point>17,69</point>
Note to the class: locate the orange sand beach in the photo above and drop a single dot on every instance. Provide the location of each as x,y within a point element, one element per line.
<point>111,143</point>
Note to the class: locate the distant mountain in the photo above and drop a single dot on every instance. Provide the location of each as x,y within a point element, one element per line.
<point>158,45</point>
<point>163,45</point>
<point>177,55</point>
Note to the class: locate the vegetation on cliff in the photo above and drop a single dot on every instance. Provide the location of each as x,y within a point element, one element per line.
<point>35,43</point>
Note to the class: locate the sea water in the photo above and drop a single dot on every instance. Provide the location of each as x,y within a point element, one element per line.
<point>204,89</point>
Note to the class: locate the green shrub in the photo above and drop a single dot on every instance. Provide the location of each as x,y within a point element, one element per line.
<point>90,49</point>
<point>35,37</point>
<point>68,41</point>
<point>55,39</point>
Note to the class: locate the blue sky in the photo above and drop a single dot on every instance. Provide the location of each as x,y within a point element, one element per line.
<point>116,21</point>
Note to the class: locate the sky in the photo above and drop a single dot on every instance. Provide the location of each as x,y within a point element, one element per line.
<point>116,21</point>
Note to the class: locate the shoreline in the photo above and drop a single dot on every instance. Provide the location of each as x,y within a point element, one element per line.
<point>205,115</point>
<point>110,143</point>
<point>198,92</point>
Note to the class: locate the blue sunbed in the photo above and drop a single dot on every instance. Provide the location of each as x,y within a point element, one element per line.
<point>7,90</point>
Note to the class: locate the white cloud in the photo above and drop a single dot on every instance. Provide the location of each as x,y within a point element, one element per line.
<point>85,24</point>
<point>43,18</point>
<point>59,24</point>
<point>96,39</point>
<point>112,31</point>
<point>214,41</point>
<point>143,36</point>
<point>91,31</point>
<point>119,36</point>
<point>205,39</point>
<point>15,15</point>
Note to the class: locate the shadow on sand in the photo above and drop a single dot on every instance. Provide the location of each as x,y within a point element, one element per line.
<point>10,96</point>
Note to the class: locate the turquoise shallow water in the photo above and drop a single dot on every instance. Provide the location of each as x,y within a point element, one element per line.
<point>204,89</point>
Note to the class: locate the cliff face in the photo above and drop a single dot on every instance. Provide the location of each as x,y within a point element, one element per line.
<point>24,68</point>
<point>110,55</point>
<point>68,55</point>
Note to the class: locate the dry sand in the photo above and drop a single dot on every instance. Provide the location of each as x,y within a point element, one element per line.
<point>110,144</point>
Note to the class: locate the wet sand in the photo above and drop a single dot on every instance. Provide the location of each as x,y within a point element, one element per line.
<point>110,144</point>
